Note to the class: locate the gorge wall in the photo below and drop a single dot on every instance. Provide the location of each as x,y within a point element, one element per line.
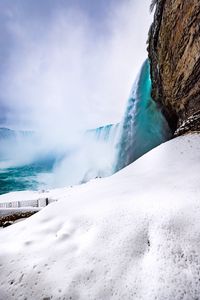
<point>174,54</point>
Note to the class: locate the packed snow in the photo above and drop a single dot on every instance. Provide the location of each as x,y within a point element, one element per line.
<point>11,211</point>
<point>134,235</point>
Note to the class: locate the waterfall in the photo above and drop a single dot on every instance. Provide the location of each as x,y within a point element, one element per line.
<point>107,133</point>
<point>6,133</point>
<point>96,153</point>
<point>143,126</point>
<point>92,157</point>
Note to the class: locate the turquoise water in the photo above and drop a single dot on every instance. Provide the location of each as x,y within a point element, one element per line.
<point>28,177</point>
<point>52,169</point>
<point>143,126</point>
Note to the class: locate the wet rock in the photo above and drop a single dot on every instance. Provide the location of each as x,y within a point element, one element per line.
<point>174,53</point>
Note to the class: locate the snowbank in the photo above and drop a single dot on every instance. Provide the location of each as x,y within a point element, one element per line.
<point>134,235</point>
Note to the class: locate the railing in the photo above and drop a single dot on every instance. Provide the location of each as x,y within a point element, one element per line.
<point>27,203</point>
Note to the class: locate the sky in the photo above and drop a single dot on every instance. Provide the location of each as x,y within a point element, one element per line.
<point>69,64</point>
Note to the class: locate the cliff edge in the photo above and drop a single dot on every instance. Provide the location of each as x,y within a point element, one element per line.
<point>174,54</point>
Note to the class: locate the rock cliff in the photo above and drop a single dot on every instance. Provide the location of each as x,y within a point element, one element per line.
<point>174,53</point>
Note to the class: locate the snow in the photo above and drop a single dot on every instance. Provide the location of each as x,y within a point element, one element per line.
<point>31,195</point>
<point>21,196</point>
<point>134,235</point>
<point>11,211</point>
<point>27,199</point>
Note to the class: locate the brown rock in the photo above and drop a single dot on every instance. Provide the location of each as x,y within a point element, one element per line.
<point>174,53</point>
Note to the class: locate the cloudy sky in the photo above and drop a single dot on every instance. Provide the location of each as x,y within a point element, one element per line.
<point>69,63</point>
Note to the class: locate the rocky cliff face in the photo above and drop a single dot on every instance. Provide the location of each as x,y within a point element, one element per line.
<point>174,53</point>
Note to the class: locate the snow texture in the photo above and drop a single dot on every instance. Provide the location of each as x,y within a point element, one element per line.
<point>134,235</point>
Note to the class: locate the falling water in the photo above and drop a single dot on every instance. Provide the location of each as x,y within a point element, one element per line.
<point>143,126</point>
<point>27,162</point>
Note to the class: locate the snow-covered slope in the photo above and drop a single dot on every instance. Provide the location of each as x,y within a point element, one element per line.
<point>134,235</point>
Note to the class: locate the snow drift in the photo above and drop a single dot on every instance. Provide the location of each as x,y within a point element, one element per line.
<point>134,235</point>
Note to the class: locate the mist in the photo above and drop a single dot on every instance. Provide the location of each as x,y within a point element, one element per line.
<point>66,70</point>
<point>63,73</point>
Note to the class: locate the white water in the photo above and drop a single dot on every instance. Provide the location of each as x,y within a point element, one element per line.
<point>95,153</point>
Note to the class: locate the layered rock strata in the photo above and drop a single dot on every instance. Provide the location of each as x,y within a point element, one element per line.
<point>174,53</point>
